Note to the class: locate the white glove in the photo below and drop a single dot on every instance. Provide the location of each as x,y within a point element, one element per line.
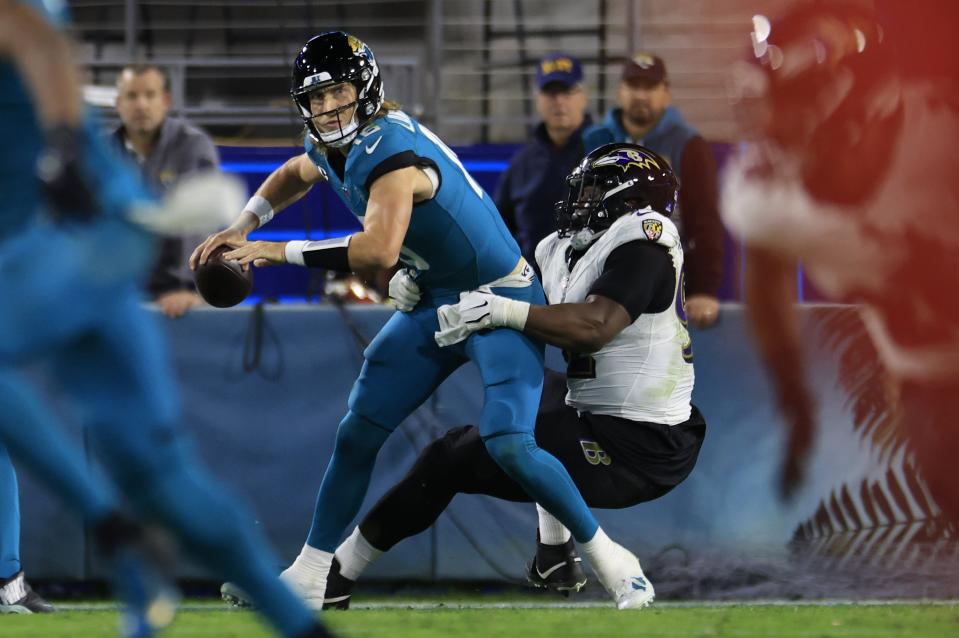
<point>478,310</point>
<point>198,204</point>
<point>404,291</point>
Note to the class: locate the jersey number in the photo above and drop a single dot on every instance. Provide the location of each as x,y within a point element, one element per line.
<point>452,156</point>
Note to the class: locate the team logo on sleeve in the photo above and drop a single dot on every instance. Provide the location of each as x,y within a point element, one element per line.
<point>653,229</point>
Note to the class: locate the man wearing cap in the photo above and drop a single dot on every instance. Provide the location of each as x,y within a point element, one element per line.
<point>644,115</point>
<point>536,177</point>
<point>166,149</point>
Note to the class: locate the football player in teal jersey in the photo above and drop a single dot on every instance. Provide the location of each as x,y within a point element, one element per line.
<point>71,258</point>
<point>418,207</point>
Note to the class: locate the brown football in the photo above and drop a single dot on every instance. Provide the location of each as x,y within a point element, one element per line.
<point>222,283</point>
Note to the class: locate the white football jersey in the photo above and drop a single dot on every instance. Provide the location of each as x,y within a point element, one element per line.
<point>644,373</point>
<point>895,253</point>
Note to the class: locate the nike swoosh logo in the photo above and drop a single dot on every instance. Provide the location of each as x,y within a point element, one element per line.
<point>372,147</point>
<point>483,305</point>
<point>545,575</point>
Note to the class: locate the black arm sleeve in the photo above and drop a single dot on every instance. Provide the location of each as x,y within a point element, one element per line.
<point>402,159</point>
<point>639,276</point>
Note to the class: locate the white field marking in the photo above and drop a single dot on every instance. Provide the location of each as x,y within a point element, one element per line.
<point>454,605</point>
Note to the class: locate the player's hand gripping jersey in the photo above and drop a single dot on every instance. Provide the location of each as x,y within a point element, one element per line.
<point>456,240</point>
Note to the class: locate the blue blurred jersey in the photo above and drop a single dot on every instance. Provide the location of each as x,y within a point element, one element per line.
<point>18,122</point>
<point>118,185</point>
<point>457,240</point>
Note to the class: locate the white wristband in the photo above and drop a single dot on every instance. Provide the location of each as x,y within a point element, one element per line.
<point>294,252</point>
<point>515,314</point>
<point>260,207</point>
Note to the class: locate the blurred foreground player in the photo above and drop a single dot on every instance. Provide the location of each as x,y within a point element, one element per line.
<point>69,273</point>
<point>614,275</point>
<point>853,172</point>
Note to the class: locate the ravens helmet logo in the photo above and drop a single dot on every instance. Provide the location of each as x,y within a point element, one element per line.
<point>624,158</point>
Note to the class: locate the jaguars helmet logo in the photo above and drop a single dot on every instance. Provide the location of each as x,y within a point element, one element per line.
<point>653,228</point>
<point>355,43</point>
<point>626,157</point>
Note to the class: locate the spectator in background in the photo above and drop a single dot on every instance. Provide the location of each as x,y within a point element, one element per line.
<point>536,177</point>
<point>166,149</point>
<point>645,116</point>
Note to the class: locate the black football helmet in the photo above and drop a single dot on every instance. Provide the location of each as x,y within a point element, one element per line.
<point>612,181</point>
<point>333,58</point>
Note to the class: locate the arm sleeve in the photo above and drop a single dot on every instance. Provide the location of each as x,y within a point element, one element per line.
<point>699,207</point>
<point>403,159</point>
<point>639,276</point>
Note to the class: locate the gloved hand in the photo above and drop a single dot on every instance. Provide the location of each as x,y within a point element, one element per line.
<point>60,171</point>
<point>478,310</point>
<point>404,291</point>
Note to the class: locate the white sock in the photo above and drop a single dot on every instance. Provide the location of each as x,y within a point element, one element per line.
<point>551,531</point>
<point>13,591</point>
<point>355,555</point>
<point>312,564</point>
<point>603,554</point>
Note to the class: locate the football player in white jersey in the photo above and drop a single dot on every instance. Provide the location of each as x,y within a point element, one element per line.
<point>627,432</point>
<point>853,172</point>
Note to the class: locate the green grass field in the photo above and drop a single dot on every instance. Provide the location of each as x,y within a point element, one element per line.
<point>469,620</point>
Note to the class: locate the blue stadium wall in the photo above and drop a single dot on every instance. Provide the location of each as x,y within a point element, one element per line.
<point>264,388</point>
<point>321,214</point>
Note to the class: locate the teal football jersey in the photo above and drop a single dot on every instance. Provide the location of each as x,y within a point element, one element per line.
<point>457,240</point>
<point>18,122</point>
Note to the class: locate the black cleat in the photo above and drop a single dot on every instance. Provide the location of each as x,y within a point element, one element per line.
<point>17,597</point>
<point>339,588</point>
<point>557,567</point>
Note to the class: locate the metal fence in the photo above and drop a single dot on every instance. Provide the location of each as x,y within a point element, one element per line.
<point>464,66</point>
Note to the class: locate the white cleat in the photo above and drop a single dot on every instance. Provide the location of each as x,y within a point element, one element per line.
<point>635,593</point>
<point>307,585</point>
<point>232,594</point>
<point>628,586</point>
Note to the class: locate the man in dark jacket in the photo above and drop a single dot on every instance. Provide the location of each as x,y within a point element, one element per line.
<point>166,149</point>
<point>535,180</point>
<point>645,116</point>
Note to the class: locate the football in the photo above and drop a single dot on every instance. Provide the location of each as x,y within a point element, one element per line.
<point>222,283</point>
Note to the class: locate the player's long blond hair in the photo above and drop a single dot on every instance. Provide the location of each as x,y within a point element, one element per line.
<point>388,105</point>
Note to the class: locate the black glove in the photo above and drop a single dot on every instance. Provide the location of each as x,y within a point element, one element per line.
<point>60,172</point>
